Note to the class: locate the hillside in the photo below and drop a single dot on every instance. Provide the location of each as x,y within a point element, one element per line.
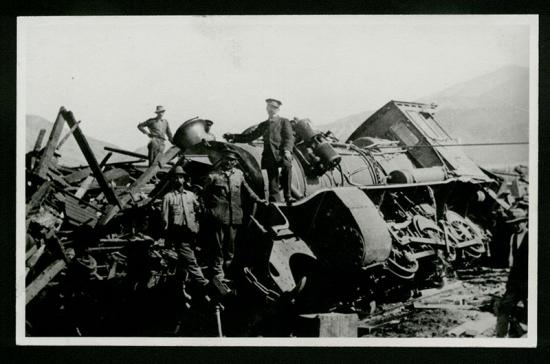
<point>490,108</point>
<point>71,155</point>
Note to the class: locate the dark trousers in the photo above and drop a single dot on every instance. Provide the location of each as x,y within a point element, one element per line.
<point>515,292</point>
<point>182,240</point>
<point>155,147</point>
<point>273,178</point>
<point>223,247</point>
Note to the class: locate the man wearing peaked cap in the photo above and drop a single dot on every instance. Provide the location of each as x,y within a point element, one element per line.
<point>158,130</point>
<point>274,102</point>
<point>179,216</point>
<point>207,126</point>
<point>278,138</point>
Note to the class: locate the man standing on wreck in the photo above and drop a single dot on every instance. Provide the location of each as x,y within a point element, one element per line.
<point>179,217</point>
<point>278,139</point>
<point>157,129</point>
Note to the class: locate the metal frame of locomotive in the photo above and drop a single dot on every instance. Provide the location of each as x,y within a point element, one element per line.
<point>390,211</point>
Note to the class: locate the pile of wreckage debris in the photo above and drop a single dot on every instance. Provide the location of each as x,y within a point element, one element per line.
<point>92,237</point>
<point>84,224</point>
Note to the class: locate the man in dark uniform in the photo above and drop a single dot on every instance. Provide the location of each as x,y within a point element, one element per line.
<point>223,204</point>
<point>278,139</point>
<point>158,130</point>
<point>516,286</point>
<point>179,217</point>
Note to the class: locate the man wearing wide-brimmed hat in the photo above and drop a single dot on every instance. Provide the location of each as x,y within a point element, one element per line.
<point>179,217</point>
<point>158,130</point>
<point>278,139</point>
<point>516,286</point>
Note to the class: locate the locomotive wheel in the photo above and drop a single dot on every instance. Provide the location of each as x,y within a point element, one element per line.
<point>462,229</point>
<point>459,227</point>
<point>402,265</point>
<point>475,251</point>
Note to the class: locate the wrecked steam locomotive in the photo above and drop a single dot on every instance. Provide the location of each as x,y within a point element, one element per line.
<point>388,212</point>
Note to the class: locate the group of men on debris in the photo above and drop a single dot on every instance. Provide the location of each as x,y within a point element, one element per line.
<point>221,200</point>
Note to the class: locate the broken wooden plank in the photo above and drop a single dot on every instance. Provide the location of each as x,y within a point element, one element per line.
<point>149,173</point>
<point>43,164</point>
<point>441,306</point>
<point>369,325</point>
<point>55,176</point>
<point>36,150</point>
<point>39,140</point>
<point>30,251</point>
<point>90,158</point>
<point>104,160</point>
<point>64,139</point>
<point>79,212</point>
<point>33,259</point>
<point>78,175</point>
<point>43,279</point>
<point>84,186</point>
<point>38,196</point>
<point>475,327</point>
<point>126,152</point>
<point>119,176</point>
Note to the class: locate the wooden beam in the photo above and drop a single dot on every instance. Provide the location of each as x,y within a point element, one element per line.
<point>43,164</point>
<point>441,306</point>
<point>90,158</point>
<point>64,139</point>
<point>33,259</point>
<point>105,160</point>
<point>138,183</point>
<point>38,196</point>
<point>39,139</point>
<point>43,279</point>
<point>84,186</point>
<point>126,152</point>
<point>77,175</point>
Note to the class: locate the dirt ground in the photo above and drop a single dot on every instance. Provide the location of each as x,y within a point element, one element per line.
<point>470,305</point>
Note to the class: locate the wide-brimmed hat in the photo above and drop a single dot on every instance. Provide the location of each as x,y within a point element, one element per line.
<point>160,109</point>
<point>516,216</point>
<point>179,171</point>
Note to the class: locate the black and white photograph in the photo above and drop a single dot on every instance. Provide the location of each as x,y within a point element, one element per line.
<point>289,180</point>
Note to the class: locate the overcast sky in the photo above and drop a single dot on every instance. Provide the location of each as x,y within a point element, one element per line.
<point>113,71</point>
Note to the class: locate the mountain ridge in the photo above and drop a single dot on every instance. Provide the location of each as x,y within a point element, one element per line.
<point>71,155</point>
<point>493,107</point>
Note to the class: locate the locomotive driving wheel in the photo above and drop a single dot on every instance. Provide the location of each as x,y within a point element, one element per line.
<point>402,263</point>
<point>462,230</point>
